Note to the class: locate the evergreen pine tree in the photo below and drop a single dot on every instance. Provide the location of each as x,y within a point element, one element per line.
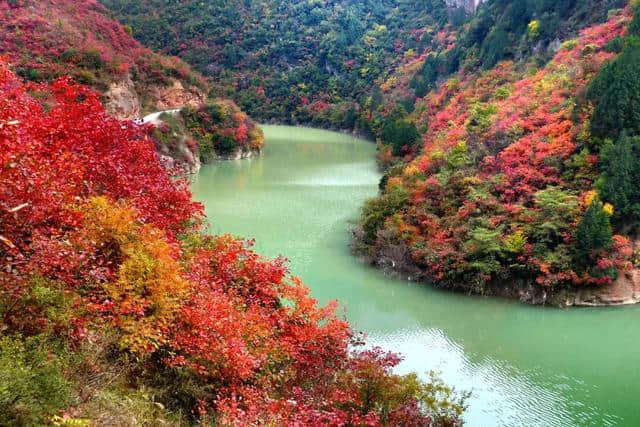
<point>593,235</point>
<point>619,182</point>
<point>616,94</point>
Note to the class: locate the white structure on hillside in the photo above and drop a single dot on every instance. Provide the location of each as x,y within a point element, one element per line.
<point>470,5</point>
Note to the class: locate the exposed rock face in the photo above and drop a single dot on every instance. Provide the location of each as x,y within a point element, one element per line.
<point>626,290</point>
<point>176,96</point>
<point>122,100</point>
<point>181,156</point>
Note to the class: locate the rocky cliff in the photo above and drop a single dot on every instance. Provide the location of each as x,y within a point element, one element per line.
<point>127,100</point>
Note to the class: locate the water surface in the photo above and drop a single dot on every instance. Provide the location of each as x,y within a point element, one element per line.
<point>526,366</point>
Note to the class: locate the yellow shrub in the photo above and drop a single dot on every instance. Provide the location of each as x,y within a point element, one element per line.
<point>394,182</point>
<point>589,197</point>
<point>66,421</point>
<point>515,242</point>
<point>534,29</point>
<point>411,170</point>
<point>149,285</point>
<point>608,209</point>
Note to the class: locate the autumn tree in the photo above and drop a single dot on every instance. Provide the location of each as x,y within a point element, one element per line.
<point>400,133</point>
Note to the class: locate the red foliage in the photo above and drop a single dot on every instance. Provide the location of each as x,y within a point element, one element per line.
<point>85,206</point>
<point>520,137</point>
<point>48,39</point>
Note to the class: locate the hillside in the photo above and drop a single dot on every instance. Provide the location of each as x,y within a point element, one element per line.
<point>508,133</point>
<point>192,136</point>
<point>297,62</point>
<point>517,188</point>
<point>48,39</point>
<point>321,62</point>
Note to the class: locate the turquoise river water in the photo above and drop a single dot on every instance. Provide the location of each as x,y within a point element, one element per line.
<point>526,366</point>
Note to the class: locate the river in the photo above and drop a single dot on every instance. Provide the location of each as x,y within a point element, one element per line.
<point>526,366</point>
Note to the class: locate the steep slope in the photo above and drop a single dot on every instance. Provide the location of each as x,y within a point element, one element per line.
<point>325,62</point>
<point>496,141</point>
<point>309,62</point>
<point>47,39</point>
<point>502,197</point>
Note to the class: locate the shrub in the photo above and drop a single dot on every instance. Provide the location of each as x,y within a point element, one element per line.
<point>220,129</point>
<point>376,210</point>
<point>32,386</point>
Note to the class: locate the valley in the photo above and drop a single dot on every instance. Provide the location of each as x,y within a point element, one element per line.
<point>319,212</point>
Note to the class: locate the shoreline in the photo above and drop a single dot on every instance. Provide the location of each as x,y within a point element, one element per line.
<point>351,132</point>
<point>625,291</point>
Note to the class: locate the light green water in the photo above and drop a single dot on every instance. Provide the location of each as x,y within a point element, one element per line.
<point>526,366</point>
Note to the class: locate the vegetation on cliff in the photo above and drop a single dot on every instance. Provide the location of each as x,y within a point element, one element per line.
<point>48,39</point>
<point>514,161</point>
<point>311,62</point>
<point>328,62</point>
<point>215,130</point>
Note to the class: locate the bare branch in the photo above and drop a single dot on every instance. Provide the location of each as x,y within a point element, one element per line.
<point>17,208</point>
<point>7,242</point>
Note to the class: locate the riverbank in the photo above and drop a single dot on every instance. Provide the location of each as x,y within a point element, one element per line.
<point>394,260</point>
<point>189,137</point>
<point>350,132</point>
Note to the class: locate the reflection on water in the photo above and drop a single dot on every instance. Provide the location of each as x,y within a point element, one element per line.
<point>526,366</point>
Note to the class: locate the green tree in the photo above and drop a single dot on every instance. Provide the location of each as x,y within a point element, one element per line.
<point>398,132</point>
<point>32,386</point>
<point>615,91</point>
<point>593,235</point>
<point>620,178</point>
<point>376,210</point>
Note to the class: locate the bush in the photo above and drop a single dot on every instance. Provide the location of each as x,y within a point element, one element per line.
<point>92,59</point>
<point>376,210</point>
<point>401,134</point>
<point>32,387</point>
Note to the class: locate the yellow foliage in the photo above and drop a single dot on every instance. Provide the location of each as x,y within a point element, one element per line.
<point>256,138</point>
<point>66,421</point>
<point>589,197</point>
<point>149,286</point>
<point>390,83</point>
<point>411,170</point>
<point>515,242</point>
<point>394,182</point>
<point>453,84</point>
<point>534,29</point>
<point>608,209</point>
